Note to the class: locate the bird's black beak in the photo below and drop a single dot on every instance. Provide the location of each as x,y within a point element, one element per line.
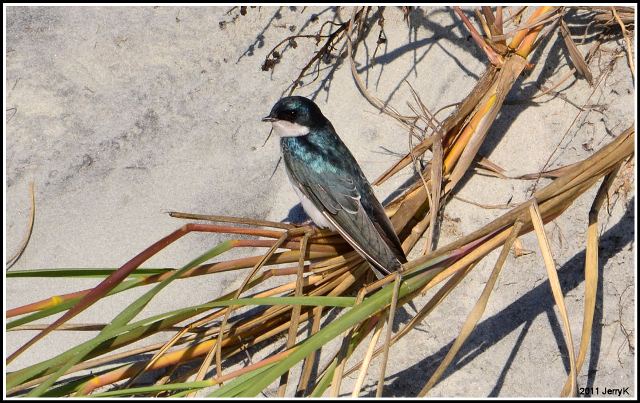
<point>269,119</point>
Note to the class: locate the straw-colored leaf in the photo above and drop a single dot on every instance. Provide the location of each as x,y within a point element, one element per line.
<point>492,167</point>
<point>439,296</point>
<point>574,53</point>
<point>437,167</point>
<point>333,268</point>
<point>387,344</point>
<point>476,313</point>
<point>591,271</point>
<point>307,368</point>
<point>557,295</point>
<point>343,354</point>
<point>367,357</point>
<point>295,313</point>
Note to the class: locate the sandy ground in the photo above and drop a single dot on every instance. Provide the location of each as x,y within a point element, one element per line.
<point>120,114</point>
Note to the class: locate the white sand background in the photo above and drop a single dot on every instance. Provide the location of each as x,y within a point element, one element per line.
<point>123,113</point>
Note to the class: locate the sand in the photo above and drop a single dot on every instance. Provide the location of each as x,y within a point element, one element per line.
<point>122,114</point>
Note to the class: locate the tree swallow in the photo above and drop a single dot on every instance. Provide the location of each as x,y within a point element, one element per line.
<point>331,186</point>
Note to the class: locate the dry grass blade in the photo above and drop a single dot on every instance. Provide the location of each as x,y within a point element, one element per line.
<point>406,121</point>
<point>591,271</point>
<point>495,58</point>
<point>368,356</point>
<point>421,227</point>
<point>552,173</point>
<point>341,358</point>
<point>332,271</point>
<point>236,220</point>
<point>476,313</point>
<point>543,241</point>
<point>492,167</point>
<point>574,53</point>
<point>387,343</point>
<point>218,345</point>
<point>295,313</point>
<point>485,206</point>
<point>530,41</point>
<point>491,20</point>
<point>342,355</point>
<point>112,281</point>
<point>483,22</point>
<point>547,18</point>
<point>627,41</point>
<point>310,360</point>
<point>416,233</point>
<point>439,296</point>
<point>538,15</point>
<point>478,128</point>
<point>436,188</point>
<point>499,23</point>
<point>426,116</point>
<point>25,241</point>
<point>515,15</point>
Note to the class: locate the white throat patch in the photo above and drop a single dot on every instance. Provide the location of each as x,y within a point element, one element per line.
<point>289,129</point>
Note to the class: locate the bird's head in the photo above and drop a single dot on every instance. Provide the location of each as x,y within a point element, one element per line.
<point>294,116</point>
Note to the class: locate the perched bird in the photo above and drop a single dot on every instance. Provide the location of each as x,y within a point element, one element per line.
<point>331,186</point>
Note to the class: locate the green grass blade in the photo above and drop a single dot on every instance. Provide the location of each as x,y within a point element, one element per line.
<point>125,316</point>
<point>128,334</point>
<point>235,387</point>
<point>82,272</point>
<point>325,381</point>
<point>147,326</point>
<point>70,387</point>
<point>357,314</point>
<point>134,331</point>
<point>41,314</point>
<point>138,305</point>
<point>63,306</point>
<point>187,386</point>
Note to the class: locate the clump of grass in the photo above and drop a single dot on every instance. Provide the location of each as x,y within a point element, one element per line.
<point>327,272</point>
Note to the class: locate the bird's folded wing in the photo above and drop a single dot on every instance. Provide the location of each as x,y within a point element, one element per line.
<point>337,197</point>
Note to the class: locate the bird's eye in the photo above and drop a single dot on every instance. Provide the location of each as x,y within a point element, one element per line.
<point>289,115</point>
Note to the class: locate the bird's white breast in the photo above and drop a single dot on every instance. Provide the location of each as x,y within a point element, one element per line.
<point>312,211</point>
<point>289,129</point>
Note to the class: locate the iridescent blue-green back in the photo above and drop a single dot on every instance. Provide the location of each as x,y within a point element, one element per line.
<point>325,169</point>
